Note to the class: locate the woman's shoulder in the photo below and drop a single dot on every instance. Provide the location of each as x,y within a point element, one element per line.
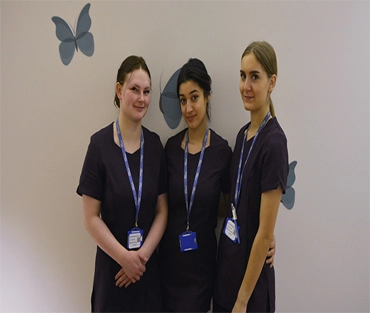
<point>216,136</point>
<point>150,135</point>
<point>273,139</point>
<point>176,139</point>
<point>103,133</point>
<point>275,131</point>
<point>216,139</point>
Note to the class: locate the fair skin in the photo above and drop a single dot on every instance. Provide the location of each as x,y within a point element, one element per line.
<point>255,88</point>
<point>193,107</point>
<point>134,96</point>
<point>194,111</point>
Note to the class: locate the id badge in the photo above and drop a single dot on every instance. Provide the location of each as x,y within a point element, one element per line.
<point>188,241</point>
<point>230,230</point>
<point>135,238</point>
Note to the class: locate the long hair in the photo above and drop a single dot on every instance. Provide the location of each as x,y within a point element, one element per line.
<point>265,55</point>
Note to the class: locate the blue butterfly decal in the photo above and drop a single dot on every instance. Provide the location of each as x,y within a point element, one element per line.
<point>72,40</point>
<point>169,103</point>
<point>288,198</point>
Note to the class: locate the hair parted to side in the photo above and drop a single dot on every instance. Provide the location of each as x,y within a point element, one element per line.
<point>265,55</point>
<point>196,71</point>
<point>130,64</point>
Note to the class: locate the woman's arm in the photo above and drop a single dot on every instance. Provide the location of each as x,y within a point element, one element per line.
<point>271,253</point>
<point>152,240</point>
<point>131,261</point>
<point>270,202</point>
<point>158,227</point>
<point>222,208</point>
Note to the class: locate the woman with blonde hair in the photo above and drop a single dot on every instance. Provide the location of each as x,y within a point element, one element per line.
<point>259,169</point>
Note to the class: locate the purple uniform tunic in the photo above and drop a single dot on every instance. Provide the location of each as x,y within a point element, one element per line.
<point>267,168</point>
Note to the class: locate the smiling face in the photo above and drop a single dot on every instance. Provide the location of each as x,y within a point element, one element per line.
<point>134,95</point>
<point>193,105</point>
<point>255,85</point>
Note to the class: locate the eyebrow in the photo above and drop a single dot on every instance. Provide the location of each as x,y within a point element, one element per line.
<point>138,86</point>
<point>191,92</point>
<point>251,72</point>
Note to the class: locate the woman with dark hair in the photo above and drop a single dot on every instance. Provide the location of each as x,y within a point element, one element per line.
<point>123,189</point>
<point>259,170</point>
<point>198,171</point>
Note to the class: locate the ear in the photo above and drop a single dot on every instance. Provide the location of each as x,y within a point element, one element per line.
<point>119,90</point>
<point>208,98</point>
<point>272,83</point>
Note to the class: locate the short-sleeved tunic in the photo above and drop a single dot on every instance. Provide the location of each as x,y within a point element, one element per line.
<point>188,277</point>
<point>266,169</point>
<point>104,177</point>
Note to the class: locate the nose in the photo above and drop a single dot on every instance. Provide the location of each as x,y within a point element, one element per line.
<point>189,107</point>
<point>245,84</point>
<point>141,96</point>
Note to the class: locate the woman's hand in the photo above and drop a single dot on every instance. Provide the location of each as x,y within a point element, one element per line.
<point>133,267</point>
<point>271,253</point>
<point>239,306</point>
<point>122,279</point>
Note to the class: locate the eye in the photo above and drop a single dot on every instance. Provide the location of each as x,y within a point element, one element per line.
<point>147,92</point>
<point>255,77</point>
<point>194,98</point>
<point>242,76</point>
<point>182,101</point>
<point>134,89</point>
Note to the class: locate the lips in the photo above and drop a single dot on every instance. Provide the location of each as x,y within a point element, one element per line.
<point>190,118</point>
<point>248,98</point>
<point>139,107</point>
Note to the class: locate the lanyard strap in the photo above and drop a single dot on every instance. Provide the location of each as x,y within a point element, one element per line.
<point>188,207</point>
<point>240,169</point>
<point>137,197</point>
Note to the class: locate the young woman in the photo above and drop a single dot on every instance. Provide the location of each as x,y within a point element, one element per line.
<point>123,189</point>
<point>259,169</point>
<point>198,171</point>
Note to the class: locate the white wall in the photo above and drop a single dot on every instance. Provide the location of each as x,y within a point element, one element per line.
<point>49,111</point>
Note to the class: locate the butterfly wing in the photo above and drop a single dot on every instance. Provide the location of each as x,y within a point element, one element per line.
<point>291,174</point>
<point>66,51</point>
<point>65,35</point>
<point>86,44</point>
<point>288,198</point>
<point>85,39</point>
<point>169,102</point>
<point>63,31</point>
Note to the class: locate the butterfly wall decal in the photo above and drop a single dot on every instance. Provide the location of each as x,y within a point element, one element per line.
<point>169,102</point>
<point>74,39</point>
<point>288,198</point>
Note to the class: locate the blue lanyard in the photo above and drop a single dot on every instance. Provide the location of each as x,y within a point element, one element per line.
<point>188,207</point>
<point>240,169</point>
<point>137,198</point>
